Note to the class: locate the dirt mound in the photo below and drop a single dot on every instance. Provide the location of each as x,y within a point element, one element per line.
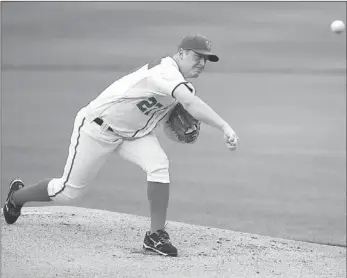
<point>77,242</point>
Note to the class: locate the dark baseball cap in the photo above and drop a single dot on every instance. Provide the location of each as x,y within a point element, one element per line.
<point>199,44</point>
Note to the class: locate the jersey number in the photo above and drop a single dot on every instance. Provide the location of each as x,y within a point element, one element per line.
<point>146,106</point>
<point>151,104</point>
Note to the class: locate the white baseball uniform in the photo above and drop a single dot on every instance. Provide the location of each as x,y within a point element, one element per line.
<point>132,107</point>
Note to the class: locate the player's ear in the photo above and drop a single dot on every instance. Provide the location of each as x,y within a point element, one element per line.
<point>181,52</point>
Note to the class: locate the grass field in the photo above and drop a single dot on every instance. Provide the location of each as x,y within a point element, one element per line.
<point>281,83</point>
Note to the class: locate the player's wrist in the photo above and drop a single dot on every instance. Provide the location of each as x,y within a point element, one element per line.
<point>225,127</point>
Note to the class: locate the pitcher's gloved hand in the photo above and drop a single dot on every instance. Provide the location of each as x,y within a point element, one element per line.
<point>181,126</point>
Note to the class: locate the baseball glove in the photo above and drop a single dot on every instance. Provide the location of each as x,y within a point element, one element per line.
<point>182,127</point>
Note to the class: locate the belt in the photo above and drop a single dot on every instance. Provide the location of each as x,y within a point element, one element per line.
<point>100,123</point>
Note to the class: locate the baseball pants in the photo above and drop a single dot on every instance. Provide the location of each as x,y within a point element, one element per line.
<point>90,147</point>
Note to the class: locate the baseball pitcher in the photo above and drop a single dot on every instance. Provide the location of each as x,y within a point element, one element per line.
<point>122,120</point>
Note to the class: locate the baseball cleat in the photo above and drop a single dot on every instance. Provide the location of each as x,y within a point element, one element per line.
<point>159,242</point>
<point>12,212</point>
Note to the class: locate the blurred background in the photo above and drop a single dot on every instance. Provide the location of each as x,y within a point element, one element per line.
<point>280,83</point>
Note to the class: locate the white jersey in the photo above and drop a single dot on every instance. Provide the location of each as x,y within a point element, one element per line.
<point>133,105</point>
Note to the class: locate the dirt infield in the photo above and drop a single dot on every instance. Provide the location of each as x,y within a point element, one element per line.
<point>72,242</point>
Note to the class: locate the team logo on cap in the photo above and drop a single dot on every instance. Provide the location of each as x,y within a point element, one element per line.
<point>208,45</point>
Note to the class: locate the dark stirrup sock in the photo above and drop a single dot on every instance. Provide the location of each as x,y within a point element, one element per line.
<point>158,196</point>
<point>33,193</point>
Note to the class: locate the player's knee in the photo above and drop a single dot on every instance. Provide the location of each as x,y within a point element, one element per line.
<point>159,171</point>
<point>62,192</point>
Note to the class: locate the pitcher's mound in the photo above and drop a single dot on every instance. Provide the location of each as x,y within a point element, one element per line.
<point>71,242</point>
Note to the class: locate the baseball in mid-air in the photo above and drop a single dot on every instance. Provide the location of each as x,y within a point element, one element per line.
<point>337,26</point>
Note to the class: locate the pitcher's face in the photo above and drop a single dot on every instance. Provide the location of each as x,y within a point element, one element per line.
<point>192,63</point>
